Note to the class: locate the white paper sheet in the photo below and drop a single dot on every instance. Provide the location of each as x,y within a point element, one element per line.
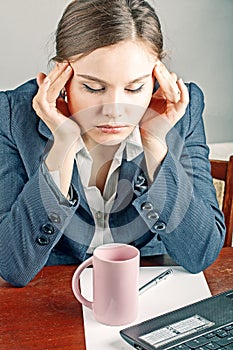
<point>180,289</point>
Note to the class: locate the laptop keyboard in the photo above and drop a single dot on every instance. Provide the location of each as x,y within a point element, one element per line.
<point>221,339</point>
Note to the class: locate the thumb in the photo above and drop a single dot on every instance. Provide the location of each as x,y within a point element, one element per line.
<point>40,78</point>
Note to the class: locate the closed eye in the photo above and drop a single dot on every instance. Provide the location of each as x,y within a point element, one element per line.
<point>93,91</point>
<point>134,91</point>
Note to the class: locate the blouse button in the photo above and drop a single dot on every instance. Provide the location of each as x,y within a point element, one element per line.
<point>98,215</point>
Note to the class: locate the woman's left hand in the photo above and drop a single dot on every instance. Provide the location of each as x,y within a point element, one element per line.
<point>166,108</point>
<point>167,105</point>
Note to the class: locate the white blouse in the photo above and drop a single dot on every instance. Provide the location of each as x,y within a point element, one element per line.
<point>101,204</point>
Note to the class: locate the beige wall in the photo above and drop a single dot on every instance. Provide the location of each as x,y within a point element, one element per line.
<point>198,38</point>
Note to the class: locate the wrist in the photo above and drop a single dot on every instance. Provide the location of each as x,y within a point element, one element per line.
<point>155,151</point>
<point>61,152</point>
<point>66,134</point>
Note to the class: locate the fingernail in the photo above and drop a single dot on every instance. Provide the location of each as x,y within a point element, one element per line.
<point>61,64</point>
<point>68,69</point>
<point>158,66</point>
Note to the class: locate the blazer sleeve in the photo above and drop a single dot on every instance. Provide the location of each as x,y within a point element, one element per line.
<point>32,219</point>
<point>182,198</point>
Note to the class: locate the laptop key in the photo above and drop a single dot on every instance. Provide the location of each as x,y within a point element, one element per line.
<point>212,345</point>
<point>182,347</point>
<point>210,335</point>
<point>223,341</point>
<point>221,333</point>
<point>196,343</point>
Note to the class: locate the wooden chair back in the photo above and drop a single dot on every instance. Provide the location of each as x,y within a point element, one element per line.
<point>223,170</point>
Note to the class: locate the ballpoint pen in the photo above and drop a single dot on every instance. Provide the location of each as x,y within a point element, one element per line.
<point>155,280</point>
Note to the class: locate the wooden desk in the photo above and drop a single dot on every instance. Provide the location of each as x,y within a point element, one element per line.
<point>45,315</point>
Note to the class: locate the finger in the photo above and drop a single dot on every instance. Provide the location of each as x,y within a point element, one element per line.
<point>176,92</point>
<point>40,78</point>
<point>184,94</point>
<point>57,70</point>
<point>167,82</point>
<point>39,102</point>
<point>174,76</point>
<point>54,74</point>
<point>159,93</point>
<point>59,83</point>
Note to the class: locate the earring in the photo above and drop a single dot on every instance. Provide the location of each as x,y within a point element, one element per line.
<point>63,93</point>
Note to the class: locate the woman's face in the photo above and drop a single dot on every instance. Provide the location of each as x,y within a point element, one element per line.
<point>110,90</point>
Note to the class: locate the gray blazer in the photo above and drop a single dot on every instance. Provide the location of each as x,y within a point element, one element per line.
<point>177,214</point>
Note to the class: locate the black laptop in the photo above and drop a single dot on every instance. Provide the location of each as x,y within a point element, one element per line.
<point>204,325</point>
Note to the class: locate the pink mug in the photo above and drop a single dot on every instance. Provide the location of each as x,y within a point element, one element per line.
<point>115,283</point>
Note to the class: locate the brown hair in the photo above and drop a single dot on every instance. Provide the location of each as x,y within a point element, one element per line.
<point>87,25</point>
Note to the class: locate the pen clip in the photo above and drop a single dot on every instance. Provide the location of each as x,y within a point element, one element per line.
<point>162,276</point>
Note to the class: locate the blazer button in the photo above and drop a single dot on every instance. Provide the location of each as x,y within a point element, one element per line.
<point>160,226</point>
<point>55,218</point>
<point>141,184</point>
<point>147,206</point>
<point>140,180</point>
<point>153,215</point>
<point>43,240</point>
<point>48,229</point>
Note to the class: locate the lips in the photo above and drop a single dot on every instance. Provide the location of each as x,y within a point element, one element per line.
<point>111,129</point>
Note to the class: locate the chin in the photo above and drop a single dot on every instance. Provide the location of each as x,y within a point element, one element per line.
<point>109,141</point>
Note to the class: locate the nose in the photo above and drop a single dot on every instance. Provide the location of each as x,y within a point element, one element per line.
<point>113,110</point>
<point>114,105</point>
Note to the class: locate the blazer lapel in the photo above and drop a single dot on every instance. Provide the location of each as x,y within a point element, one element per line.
<point>129,170</point>
<point>78,187</point>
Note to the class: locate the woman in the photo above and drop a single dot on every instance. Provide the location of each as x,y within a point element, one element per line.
<point>109,146</point>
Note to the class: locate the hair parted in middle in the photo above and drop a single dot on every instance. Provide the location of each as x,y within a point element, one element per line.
<point>87,25</point>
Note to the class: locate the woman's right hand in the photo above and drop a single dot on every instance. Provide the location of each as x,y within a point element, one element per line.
<point>51,107</point>
<point>53,110</point>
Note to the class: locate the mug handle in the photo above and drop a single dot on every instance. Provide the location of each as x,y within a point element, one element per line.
<point>76,283</point>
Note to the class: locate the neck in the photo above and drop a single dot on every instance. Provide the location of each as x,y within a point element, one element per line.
<point>102,156</point>
<point>100,152</point>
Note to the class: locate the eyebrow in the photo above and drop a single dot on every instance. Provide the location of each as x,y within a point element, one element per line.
<point>98,80</point>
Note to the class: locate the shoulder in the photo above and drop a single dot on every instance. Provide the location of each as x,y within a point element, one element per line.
<point>194,110</point>
<point>193,116</point>
<point>196,98</point>
<point>24,91</point>
<point>15,100</point>
<point>16,105</point>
